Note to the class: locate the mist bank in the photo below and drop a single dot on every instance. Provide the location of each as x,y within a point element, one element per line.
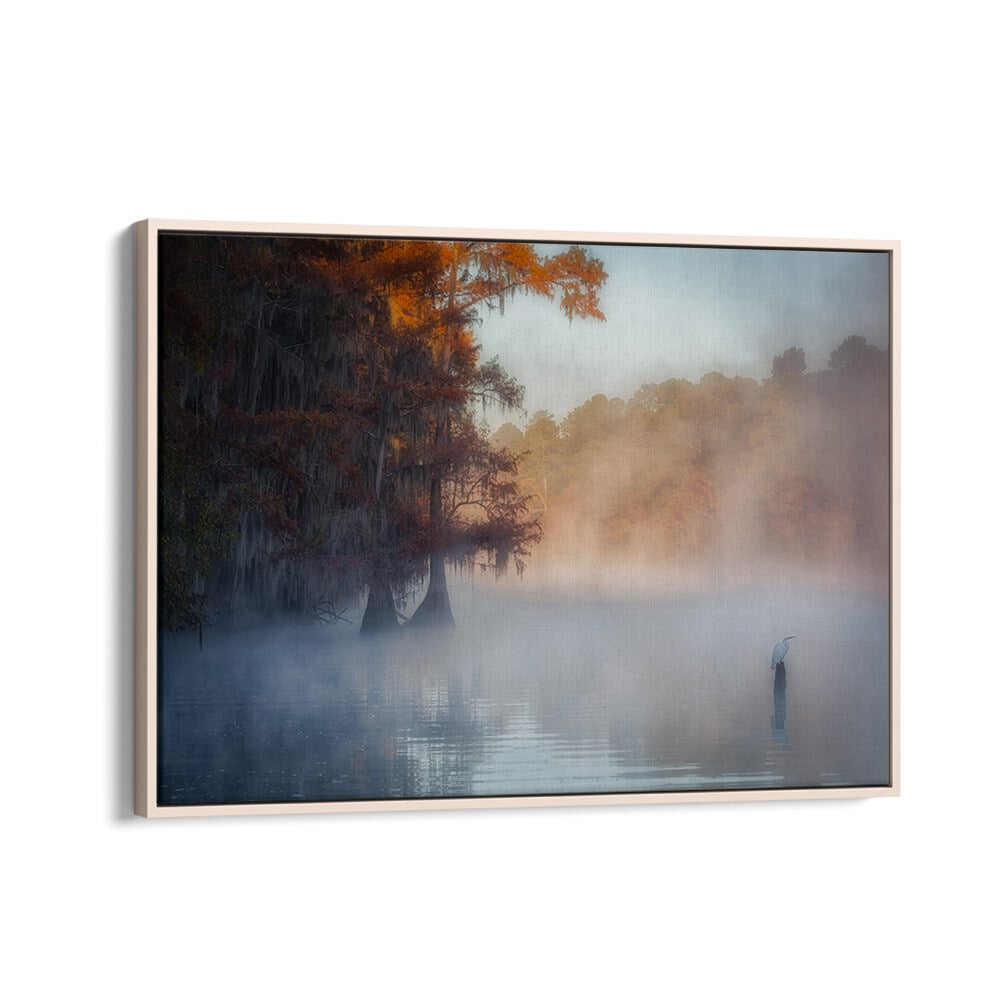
<point>540,695</point>
<point>723,481</point>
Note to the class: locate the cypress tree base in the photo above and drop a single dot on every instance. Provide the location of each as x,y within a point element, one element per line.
<point>435,609</point>
<point>380,611</point>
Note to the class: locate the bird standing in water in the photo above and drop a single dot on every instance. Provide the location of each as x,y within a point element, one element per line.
<point>780,649</point>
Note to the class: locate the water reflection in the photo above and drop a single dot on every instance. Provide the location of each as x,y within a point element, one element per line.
<point>778,731</point>
<point>538,698</point>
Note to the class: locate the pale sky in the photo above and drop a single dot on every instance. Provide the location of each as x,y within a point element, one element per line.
<point>684,311</point>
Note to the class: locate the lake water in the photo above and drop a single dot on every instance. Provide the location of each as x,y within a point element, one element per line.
<point>534,695</point>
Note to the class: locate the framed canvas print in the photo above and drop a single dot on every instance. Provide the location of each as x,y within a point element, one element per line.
<point>434,518</point>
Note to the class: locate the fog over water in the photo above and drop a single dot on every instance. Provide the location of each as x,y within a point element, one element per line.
<point>535,694</point>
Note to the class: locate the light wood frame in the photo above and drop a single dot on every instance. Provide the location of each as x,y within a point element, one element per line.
<point>146,242</point>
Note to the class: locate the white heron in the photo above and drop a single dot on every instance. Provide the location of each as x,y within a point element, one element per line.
<point>780,648</point>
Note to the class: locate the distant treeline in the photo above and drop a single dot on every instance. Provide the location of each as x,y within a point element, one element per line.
<point>791,470</point>
<point>317,439</point>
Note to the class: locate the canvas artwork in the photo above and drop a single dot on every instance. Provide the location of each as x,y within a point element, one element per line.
<point>465,519</point>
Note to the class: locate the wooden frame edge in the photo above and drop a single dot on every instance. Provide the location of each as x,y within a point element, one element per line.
<point>895,557</point>
<point>156,226</point>
<point>145,519</point>
<point>145,803</point>
<point>526,801</point>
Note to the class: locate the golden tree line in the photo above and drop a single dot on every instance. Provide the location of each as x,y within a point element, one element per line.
<point>793,468</point>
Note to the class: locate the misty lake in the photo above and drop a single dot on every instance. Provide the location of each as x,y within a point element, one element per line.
<point>534,695</point>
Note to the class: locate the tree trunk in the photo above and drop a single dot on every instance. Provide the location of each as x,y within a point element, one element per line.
<point>435,608</point>
<point>380,611</point>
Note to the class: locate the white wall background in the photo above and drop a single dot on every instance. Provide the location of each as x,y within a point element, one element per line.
<point>849,119</point>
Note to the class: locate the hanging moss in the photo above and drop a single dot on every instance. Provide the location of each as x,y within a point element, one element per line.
<point>307,387</point>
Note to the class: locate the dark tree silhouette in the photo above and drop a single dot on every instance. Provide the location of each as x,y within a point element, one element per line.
<point>789,364</point>
<point>316,439</point>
